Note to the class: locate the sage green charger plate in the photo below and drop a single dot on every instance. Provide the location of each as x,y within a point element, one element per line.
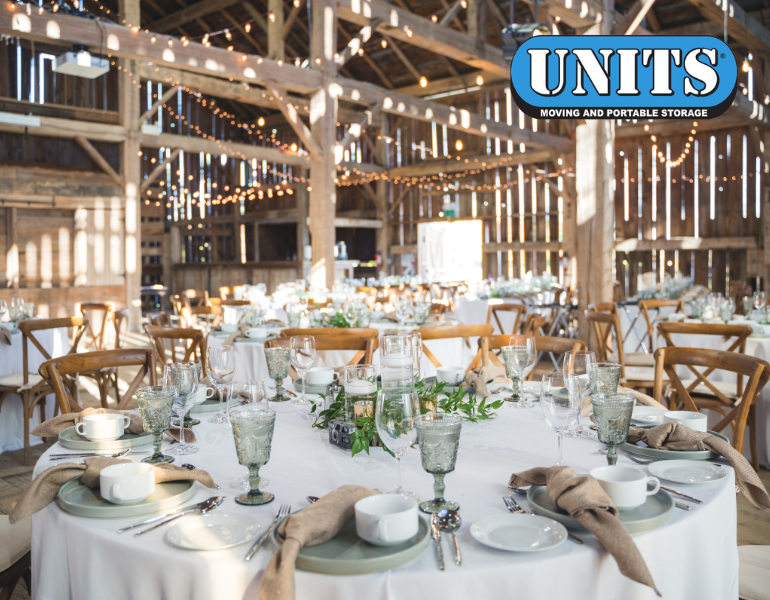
<point>654,513</point>
<point>207,406</point>
<point>69,438</point>
<point>674,454</point>
<point>309,389</point>
<point>254,340</point>
<point>83,501</point>
<point>348,554</point>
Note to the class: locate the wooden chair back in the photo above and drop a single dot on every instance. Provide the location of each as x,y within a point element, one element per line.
<point>197,298</point>
<point>736,413</point>
<point>533,324</point>
<point>235,303</point>
<point>653,306</point>
<point>517,310</point>
<point>120,321</point>
<point>489,344</point>
<point>448,332</point>
<point>105,308</point>
<point>159,319</point>
<point>212,314</point>
<point>54,370</point>
<point>363,344</point>
<point>192,339</point>
<point>30,326</point>
<point>182,310</point>
<point>226,292</point>
<point>606,328</point>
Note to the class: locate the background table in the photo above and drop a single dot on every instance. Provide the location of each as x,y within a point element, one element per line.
<point>56,342</point>
<point>693,557</point>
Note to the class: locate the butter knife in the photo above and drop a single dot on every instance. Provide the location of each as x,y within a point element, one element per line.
<point>436,535</point>
<point>681,495</point>
<point>159,517</point>
<point>203,508</point>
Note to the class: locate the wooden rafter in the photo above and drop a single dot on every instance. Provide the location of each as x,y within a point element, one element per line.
<point>451,14</point>
<point>170,93</point>
<point>98,159</point>
<point>246,35</point>
<point>739,24</point>
<point>289,22</point>
<point>355,43</point>
<point>189,13</point>
<point>158,171</point>
<point>633,18</point>
<point>284,104</point>
<point>401,55</point>
<point>374,66</point>
<point>356,129</point>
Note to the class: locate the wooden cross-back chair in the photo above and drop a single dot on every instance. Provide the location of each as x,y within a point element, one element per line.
<point>31,387</point>
<point>120,321</point>
<point>736,413</point>
<point>490,344</point>
<point>212,314</point>
<point>105,308</point>
<point>55,370</point>
<point>197,298</point>
<point>651,310</point>
<point>363,341</point>
<point>517,310</point>
<point>533,324</point>
<point>227,292</point>
<point>159,319</point>
<point>182,310</point>
<point>192,340</point>
<point>108,378</point>
<point>235,303</point>
<point>448,332</point>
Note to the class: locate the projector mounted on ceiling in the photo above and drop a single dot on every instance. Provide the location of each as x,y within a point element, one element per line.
<point>81,63</point>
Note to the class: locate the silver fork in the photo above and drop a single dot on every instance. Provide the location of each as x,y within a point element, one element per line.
<point>514,507</point>
<point>283,512</point>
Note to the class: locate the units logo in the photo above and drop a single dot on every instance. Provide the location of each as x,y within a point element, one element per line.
<point>623,77</point>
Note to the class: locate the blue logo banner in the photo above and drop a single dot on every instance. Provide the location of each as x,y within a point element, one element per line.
<point>623,77</point>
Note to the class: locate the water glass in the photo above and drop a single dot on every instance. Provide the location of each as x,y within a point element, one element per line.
<point>183,379</point>
<point>250,394</point>
<point>3,309</point>
<point>726,312</point>
<point>221,370</point>
<point>519,358</point>
<point>613,416</point>
<point>303,356</point>
<point>360,387</point>
<point>155,405</point>
<point>253,435</point>
<point>29,310</point>
<point>561,408</point>
<point>577,372</point>
<point>16,310</point>
<point>363,318</point>
<point>697,307</point>
<point>760,300</point>
<point>293,315</point>
<point>278,360</point>
<point>414,339</point>
<point>396,357</point>
<point>421,313</point>
<point>605,378</point>
<point>403,309</point>
<point>438,435</point>
<point>395,415</point>
<point>747,302</point>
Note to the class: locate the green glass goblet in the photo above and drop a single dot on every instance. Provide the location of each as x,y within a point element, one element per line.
<point>605,378</point>
<point>612,413</point>
<point>278,361</point>
<point>253,434</point>
<point>155,404</point>
<point>439,436</point>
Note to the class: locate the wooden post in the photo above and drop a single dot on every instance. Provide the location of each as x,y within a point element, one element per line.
<point>472,16</point>
<point>11,248</point>
<point>275,41</point>
<point>766,235</point>
<point>129,109</point>
<point>303,235</point>
<point>383,235</point>
<point>595,171</point>
<point>323,125</point>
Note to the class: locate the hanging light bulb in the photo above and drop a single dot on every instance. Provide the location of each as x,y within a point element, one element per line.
<point>228,35</point>
<point>479,80</point>
<point>248,27</point>
<point>271,16</point>
<point>261,122</point>
<point>205,39</point>
<point>745,65</point>
<point>423,82</point>
<point>458,145</point>
<point>384,43</point>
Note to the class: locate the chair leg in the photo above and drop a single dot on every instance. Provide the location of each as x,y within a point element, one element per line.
<point>25,396</point>
<point>753,438</point>
<point>104,391</point>
<point>115,385</point>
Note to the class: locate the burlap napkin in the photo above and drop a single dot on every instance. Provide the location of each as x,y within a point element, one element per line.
<point>643,399</point>
<point>479,378</point>
<point>5,336</point>
<point>44,488</point>
<point>673,436</point>
<point>173,433</point>
<point>585,500</point>
<point>53,427</point>
<point>310,527</point>
<point>240,332</point>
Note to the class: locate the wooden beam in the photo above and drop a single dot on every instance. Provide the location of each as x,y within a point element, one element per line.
<point>355,43</point>
<point>11,248</point>
<point>633,18</point>
<point>358,223</point>
<point>454,83</point>
<point>69,128</point>
<point>451,13</point>
<point>688,243</point>
<point>187,14</point>
<point>298,6</point>
<point>98,159</point>
<point>249,38</point>
<point>501,19</point>
<point>158,171</point>
<point>412,29</point>
<point>398,202</point>
<point>402,57</point>
<point>355,129</point>
<point>276,44</point>
<point>368,59</point>
<point>159,102</point>
<point>287,110</point>
<point>405,249</point>
<point>712,28</point>
<point>50,109</point>
<point>740,25</point>
<point>516,246</point>
<point>477,161</point>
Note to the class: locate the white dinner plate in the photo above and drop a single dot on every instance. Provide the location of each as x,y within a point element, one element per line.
<point>213,532</point>
<point>532,387</point>
<point>687,471</point>
<point>647,416</point>
<point>519,533</point>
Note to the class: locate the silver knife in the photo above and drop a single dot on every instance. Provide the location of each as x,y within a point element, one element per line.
<point>681,495</point>
<point>159,517</point>
<point>261,540</point>
<point>682,506</point>
<point>436,535</point>
<point>203,508</point>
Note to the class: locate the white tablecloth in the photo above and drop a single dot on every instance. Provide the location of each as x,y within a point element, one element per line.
<point>693,557</point>
<point>56,342</point>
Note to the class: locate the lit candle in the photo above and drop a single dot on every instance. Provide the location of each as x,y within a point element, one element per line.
<point>361,387</point>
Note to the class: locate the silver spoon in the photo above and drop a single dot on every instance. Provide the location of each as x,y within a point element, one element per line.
<point>450,520</point>
<point>201,509</point>
<point>313,499</point>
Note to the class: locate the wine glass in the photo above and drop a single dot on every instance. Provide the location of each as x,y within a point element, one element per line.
<point>519,357</point>
<point>560,407</point>
<point>16,311</point>
<point>221,370</point>
<point>403,310</point>
<point>155,404</point>
<point>3,309</point>
<point>253,435</point>
<point>183,379</point>
<point>278,360</point>
<point>302,359</point>
<point>577,373</point>
<point>414,340</point>
<point>439,437</point>
<point>613,417</point>
<point>249,394</point>
<point>396,410</point>
<point>760,300</point>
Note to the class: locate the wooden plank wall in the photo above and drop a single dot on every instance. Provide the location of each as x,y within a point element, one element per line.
<point>211,278</point>
<point>690,205</point>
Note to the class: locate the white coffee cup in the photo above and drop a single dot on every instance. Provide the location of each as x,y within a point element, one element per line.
<point>103,427</point>
<point>203,393</point>
<point>452,375</point>
<point>127,483</point>
<point>257,332</point>
<point>321,376</point>
<point>229,327</point>
<point>386,519</point>
<point>693,420</point>
<point>627,487</point>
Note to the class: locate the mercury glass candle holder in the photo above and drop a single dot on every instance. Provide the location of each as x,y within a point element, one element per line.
<point>278,361</point>
<point>605,378</point>
<point>360,387</point>
<point>253,435</point>
<point>421,313</point>
<point>612,413</point>
<point>155,405</point>
<point>438,435</point>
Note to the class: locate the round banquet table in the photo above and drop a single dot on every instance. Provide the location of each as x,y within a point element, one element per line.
<point>56,343</point>
<point>693,557</point>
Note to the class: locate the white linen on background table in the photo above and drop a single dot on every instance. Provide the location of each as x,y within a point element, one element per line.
<point>56,342</point>
<point>693,557</point>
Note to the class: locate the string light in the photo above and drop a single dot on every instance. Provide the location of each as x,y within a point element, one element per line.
<point>423,82</point>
